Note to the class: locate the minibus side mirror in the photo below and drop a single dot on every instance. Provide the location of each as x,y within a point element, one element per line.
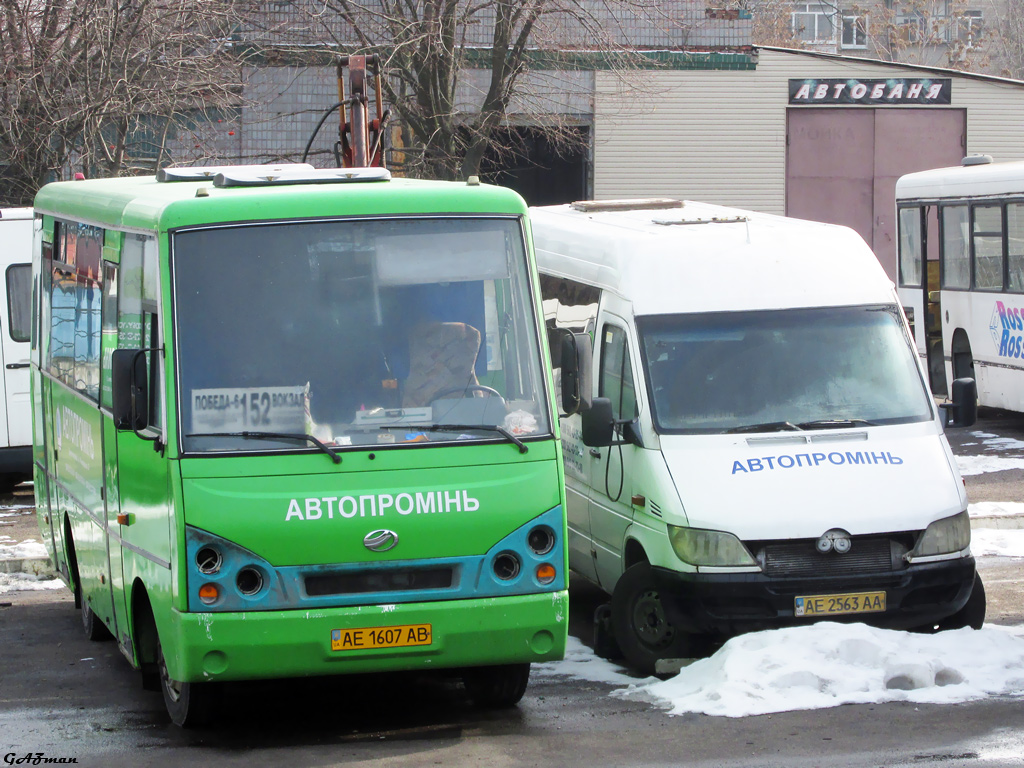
<point>129,389</point>
<point>577,376</point>
<point>963,411</point>
<point>598,424</point>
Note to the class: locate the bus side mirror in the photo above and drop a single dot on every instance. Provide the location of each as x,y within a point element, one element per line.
<point>598,424</point>
<point>129,388</point>
<point>963,411</point>
<point>577,381</point>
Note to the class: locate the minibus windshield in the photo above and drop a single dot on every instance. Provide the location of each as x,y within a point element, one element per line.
<point>356,332</point>
<point>780,370</point>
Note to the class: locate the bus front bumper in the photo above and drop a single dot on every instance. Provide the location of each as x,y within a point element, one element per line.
<point>729,604</point>
<point>291,643</point>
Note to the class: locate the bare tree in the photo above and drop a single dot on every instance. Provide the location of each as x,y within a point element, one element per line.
<point>107,86</point>
<point>773,23</point>
<point>459,71</point>
<point>1005,41</point>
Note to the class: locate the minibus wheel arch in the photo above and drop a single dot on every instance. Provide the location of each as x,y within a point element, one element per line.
<point>145,637</point>
<point>72,562</point>
<point>633,553</point>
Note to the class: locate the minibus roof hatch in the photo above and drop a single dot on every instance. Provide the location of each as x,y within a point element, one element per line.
<point>208,172</point>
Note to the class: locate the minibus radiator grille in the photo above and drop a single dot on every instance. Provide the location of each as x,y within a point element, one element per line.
<point>801,557</point>
<point>390,580</point>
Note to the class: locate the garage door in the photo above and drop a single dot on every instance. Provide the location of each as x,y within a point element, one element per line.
<point>842,164</point>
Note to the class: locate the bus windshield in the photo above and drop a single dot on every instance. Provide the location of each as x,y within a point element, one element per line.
<point>781,369</point>
<point>355,332</point>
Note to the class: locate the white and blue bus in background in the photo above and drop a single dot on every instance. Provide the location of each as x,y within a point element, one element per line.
<point>961,274</point>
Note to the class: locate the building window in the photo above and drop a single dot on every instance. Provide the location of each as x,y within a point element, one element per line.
<point>812,22</point>
<point>966,27</point>
<point>855,31</point>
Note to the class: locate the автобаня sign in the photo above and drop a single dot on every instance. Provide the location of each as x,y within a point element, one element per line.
<point>893,90</point>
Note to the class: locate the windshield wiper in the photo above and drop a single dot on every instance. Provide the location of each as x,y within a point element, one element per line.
<point>768,426</point>
<point>273,436</point>
<point>835,423</point>
<point>523,448</point>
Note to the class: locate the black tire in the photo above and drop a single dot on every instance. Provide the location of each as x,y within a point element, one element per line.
<point>188,704</point>
<point>972,614</point>
<point>94,627</point>
<point>498,687</point>
<point>640,624</point>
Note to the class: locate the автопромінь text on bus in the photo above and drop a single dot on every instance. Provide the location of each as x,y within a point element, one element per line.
<point>297,422</point>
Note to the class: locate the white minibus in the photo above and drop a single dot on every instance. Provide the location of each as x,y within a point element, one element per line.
<point>756,445</point>
<point>15,322</point>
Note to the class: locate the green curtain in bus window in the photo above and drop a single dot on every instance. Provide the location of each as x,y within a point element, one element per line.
<point>910,247</point>
<point>617,374</point>
<point>1015,246</point>
<point>988,247</point>
<point>956,262</point>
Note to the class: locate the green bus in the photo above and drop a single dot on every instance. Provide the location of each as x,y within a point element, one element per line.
<point>292,421</point>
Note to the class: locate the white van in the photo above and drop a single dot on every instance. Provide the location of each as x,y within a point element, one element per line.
<point>15,304</point>
<point>757,446</point>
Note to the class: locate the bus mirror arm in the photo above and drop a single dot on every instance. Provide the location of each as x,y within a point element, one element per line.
<point>963,410</point>
<point>577,384</point>
<point>130,391</point>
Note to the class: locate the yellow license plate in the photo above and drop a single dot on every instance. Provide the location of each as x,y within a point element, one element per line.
<point>834,605</point>
<point>402,636</point>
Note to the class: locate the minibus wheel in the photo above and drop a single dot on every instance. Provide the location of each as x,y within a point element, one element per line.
<point>94,627</point>
<point>188,704</point>
<point>640,624</point>
<point>498,687</point>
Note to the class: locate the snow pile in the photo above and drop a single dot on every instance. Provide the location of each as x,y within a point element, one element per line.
<point>977,465</point>
<point>828,664</point>
<point>24,582</point>
<point>581,663</point>
<point>997,542</point>
<point>12,550</point>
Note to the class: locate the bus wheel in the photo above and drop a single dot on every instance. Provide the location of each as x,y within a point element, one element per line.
<point>94,627</point>
<point>639,622</point>
<point>497,687</point>
<point>188,704</point>
<point>972,614</point>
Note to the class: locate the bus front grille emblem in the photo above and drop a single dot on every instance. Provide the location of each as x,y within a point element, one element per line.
<point>380,540</point>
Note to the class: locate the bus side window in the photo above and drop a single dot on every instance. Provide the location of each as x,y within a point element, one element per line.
<point>617,374</point>
<point>137,319</point>
<point>108,342</point>
<point>1015,246</point>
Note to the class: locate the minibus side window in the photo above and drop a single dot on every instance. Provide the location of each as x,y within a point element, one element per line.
<point>76,292</point>
<point>956,262</point>
<point>911,247</point>
<point>19,320</point>
<point>137,326</point>
<point>988,247</point>
<point>617,373</point>
<point>1015,246</point>
<point>109,342</point>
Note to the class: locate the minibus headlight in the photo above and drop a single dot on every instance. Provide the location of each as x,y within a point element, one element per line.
<point>950,534</point>
<point>699,547</point>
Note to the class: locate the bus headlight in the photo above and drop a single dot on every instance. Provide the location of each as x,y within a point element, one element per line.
<point>699,547</point>
<point>950,534</point>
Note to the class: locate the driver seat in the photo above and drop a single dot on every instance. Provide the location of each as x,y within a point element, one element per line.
<point>442,356</point>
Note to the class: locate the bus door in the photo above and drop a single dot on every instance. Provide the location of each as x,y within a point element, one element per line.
<point>919,286</point>
<point>611,491</point>
<point>137,479</point>
<point>17,321</point>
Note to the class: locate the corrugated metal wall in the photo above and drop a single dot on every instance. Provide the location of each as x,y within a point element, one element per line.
<point>720,136</point>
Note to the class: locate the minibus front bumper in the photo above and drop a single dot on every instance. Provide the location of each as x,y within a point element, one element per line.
<point>297,643</point>
<point>730,603</point>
